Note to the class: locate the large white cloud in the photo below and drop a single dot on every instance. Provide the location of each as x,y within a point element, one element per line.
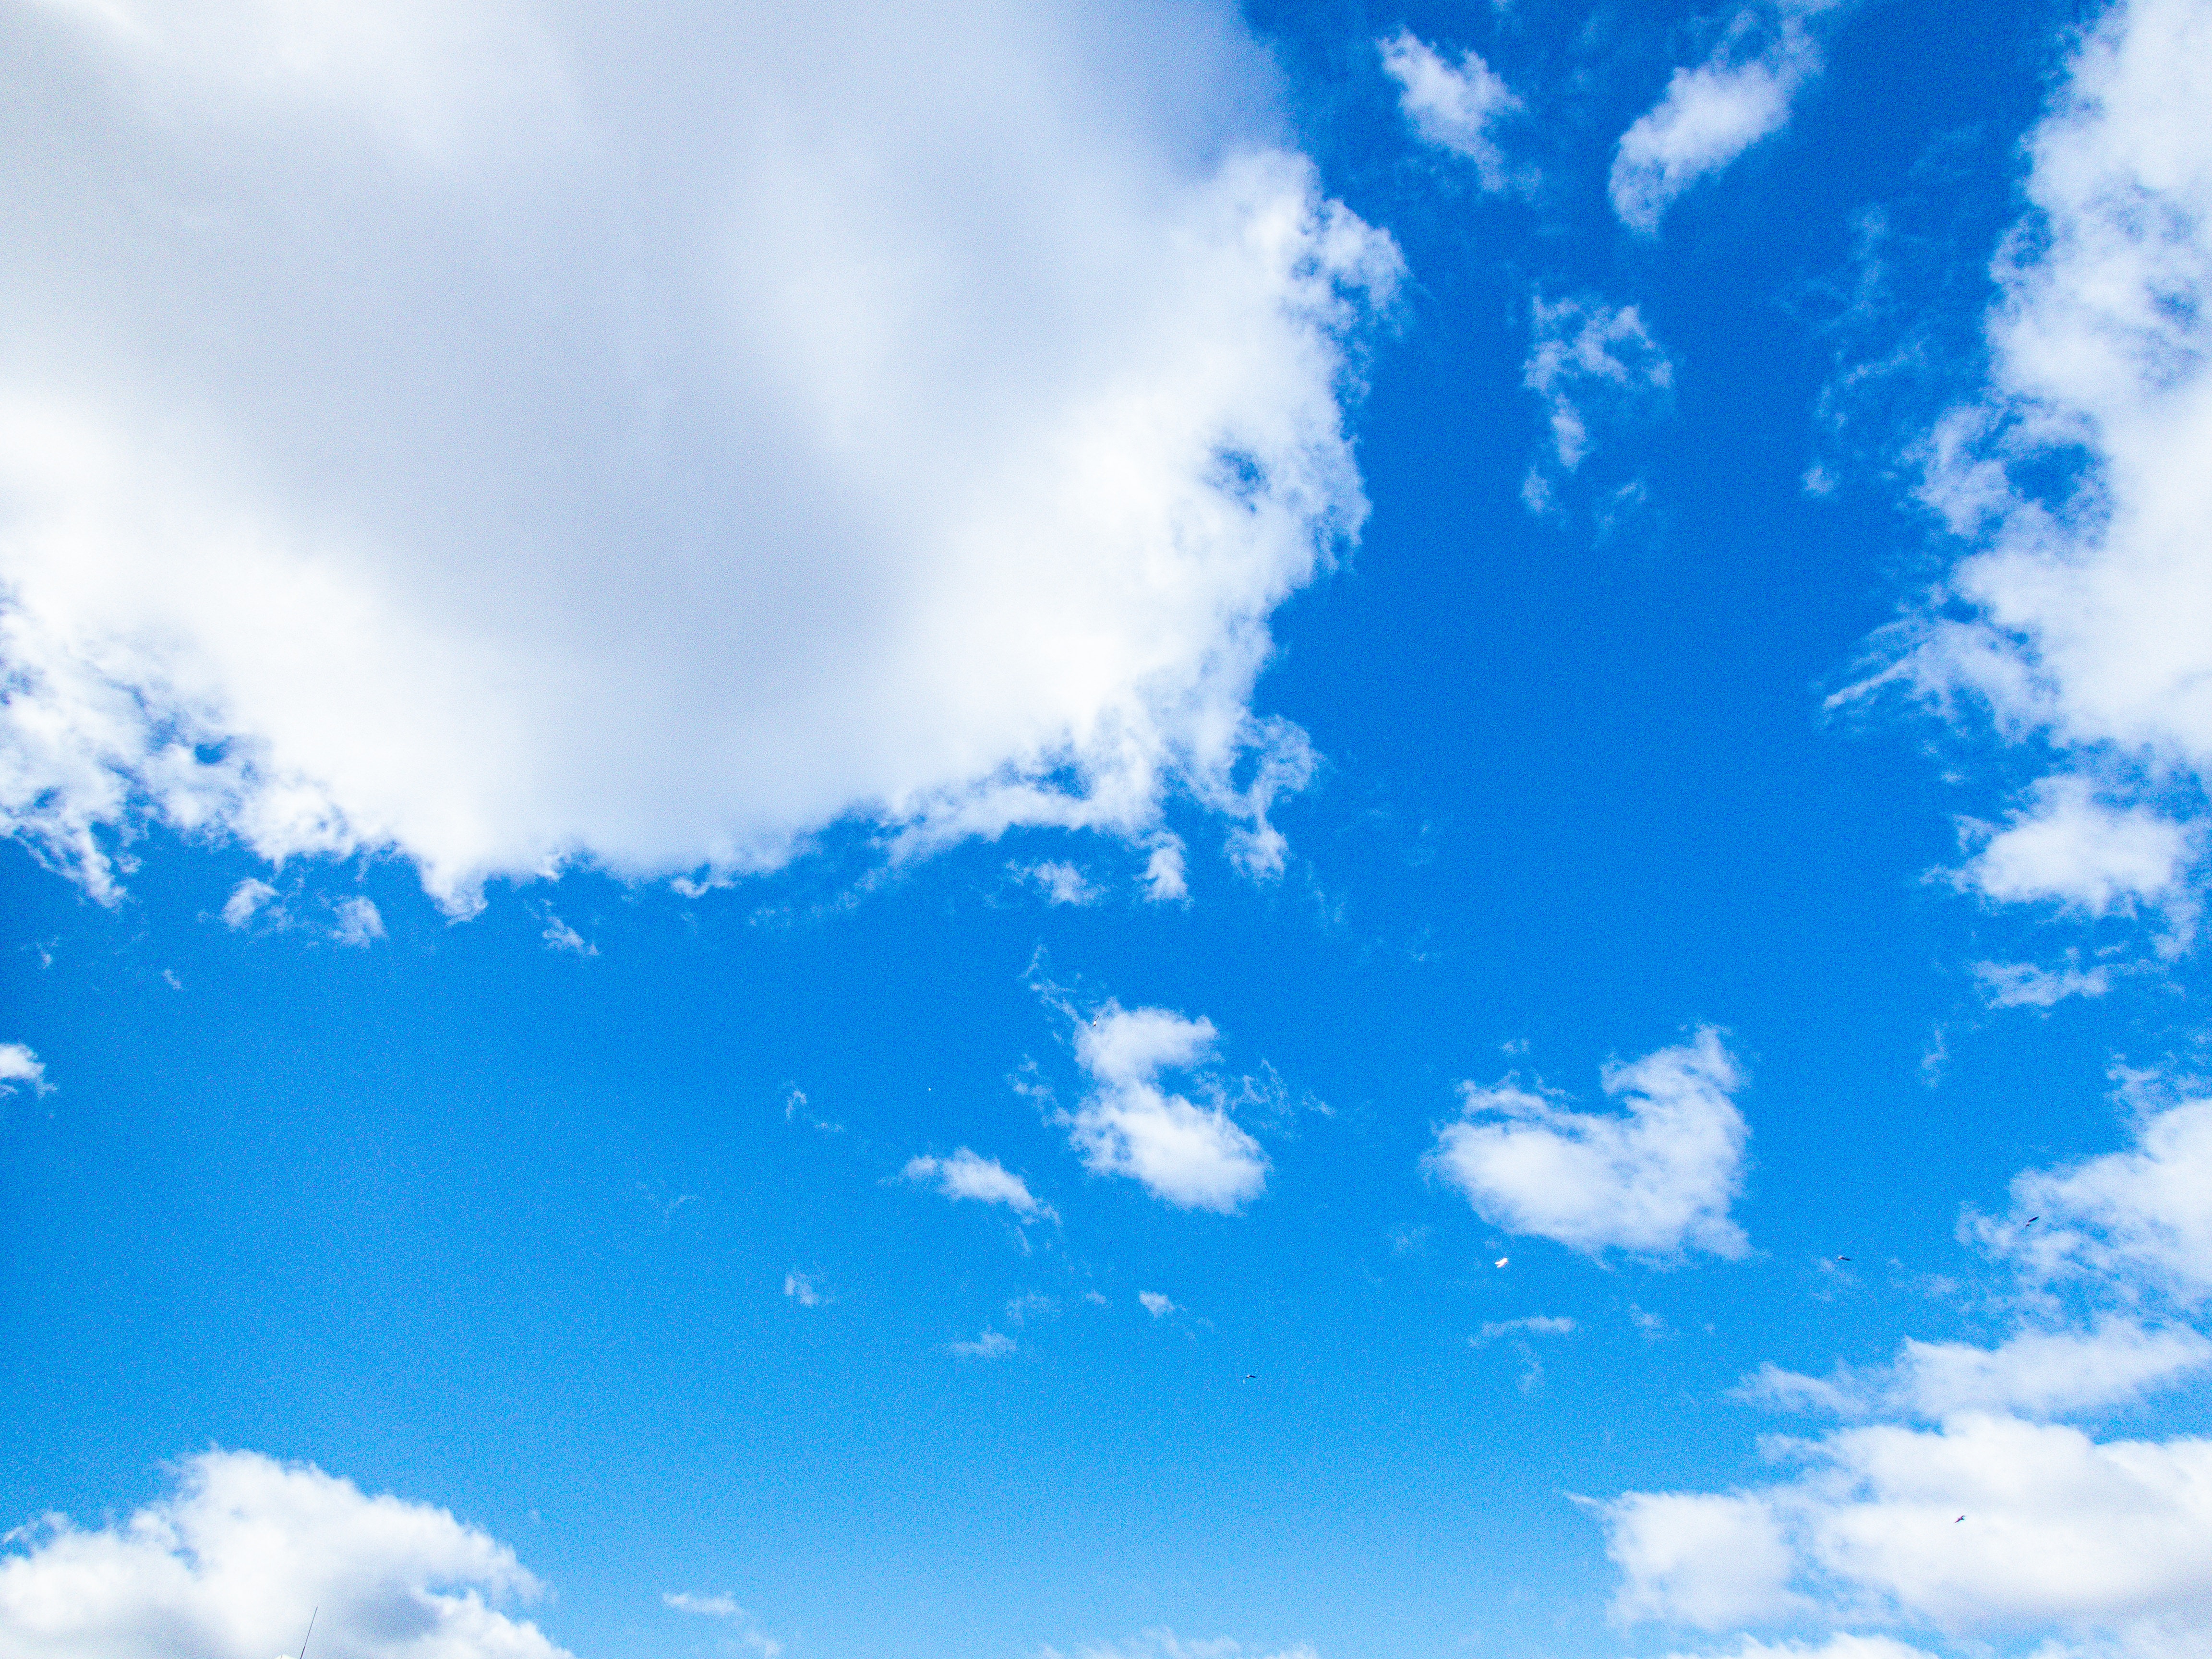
<point>2001,1523</point>
<point>1711,114</point>
<point>1655,1179</point>
<point>234,1562</point>
<point>2082,615</point>
<point>510,434</point>
<point>2061,1531</point>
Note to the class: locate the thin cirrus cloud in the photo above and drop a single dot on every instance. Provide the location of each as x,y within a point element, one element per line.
<point>233,1561</point>
<point>1195,1157</point>
<point>1453,108</point>
<point>965,508</point>
<point>1710,114</point>
<point>1588,363</point>
<point>968,1175</point>
<point>1653,1180</point>
<point>2079,615</point>
<point>2004,1516</point>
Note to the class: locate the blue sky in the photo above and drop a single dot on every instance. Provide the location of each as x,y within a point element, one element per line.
<point>1156,832</point>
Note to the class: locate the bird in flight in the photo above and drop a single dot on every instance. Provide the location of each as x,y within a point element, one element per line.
<point>1501,1261</point>
<point>1956,1522</point>
<point>1842,1258</point>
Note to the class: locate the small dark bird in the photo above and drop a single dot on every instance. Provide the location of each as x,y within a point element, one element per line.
<point>1956,1522</point>
<point>2030,1221</point>
<point>1842,1258</point>
<point>1251,1377</point>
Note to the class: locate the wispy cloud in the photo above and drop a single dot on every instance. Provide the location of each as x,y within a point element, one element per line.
<point>1452,108</point>
<point>970,1176</point>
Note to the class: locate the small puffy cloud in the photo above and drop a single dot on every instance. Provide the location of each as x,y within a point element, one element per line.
<point>802,1289</point>
<point>2034,1373</point>
<point>967,1175</point>
<point>2066,846</point>
<point>1031,1304</point>
<point>1582,352</point>
<point>229,1563</point>
<point>246,901</point>
<point>2079,612</point>
<point>957,495</point>
<point>1165,879</point>
<point>1533,1325</point>
<point>1194,1157</point>
<point>1454,108</point>
<point>1156,1304</point>
<point>990,1345</point>
<point>1712,113</point>
<point>1655,1179</point>
<point>2024,985</point>
<point>1060,882</point>
<point>18,1064</point>
<point>2062,1532</point>
<point>359,924</point>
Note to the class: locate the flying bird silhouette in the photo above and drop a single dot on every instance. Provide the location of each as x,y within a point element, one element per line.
<point>1501,1261</point>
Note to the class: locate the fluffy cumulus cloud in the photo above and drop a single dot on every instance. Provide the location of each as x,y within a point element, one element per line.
<point>1978,1510</point>
<point>2061,1531</point>
<point>232,1562</point>
<point>945,395</point>
<point>2080,615</point>
<point>2134,1224</point>
<point>20,1064</point>
<point>970,1175</point>
<point>1194,1155</point>
<point>1452,108</point>
<point>1655,1179</point>
<point>1712,113</point>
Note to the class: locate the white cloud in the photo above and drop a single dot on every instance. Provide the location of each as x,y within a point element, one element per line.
<point>230,1564</point>
<point>2024,985</point>
<point>2060,1531</point>
<point>991,1345</point>
<point>1165,882</point>
<point>2066,846</point>
<point>930,445</point>
<point>2037,1373</point>
<point>1655,1179</point>
<point>1194,1157</point>
<point>1588,362</point>
<point>359,923</point>
<point>801,1288</point>
<point>1997,1523</point>
<point>724,1606</point>
<point>1711,114</point>
<point>560,936</point>
<point>2080,615</point>
<point>1156,1304</point>
<point>1533,1325</point>
<point>1842,1645</point>
<point>246,901</point>
<point>2130,1224</point>
<point>1059,881</point>
<point>1452,108</point>
<point>1698,1559</point>
<point>967,1175</point>
<point>18,1064</point>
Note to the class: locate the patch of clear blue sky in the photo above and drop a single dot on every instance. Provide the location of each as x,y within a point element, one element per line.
<point>507,1229</point>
